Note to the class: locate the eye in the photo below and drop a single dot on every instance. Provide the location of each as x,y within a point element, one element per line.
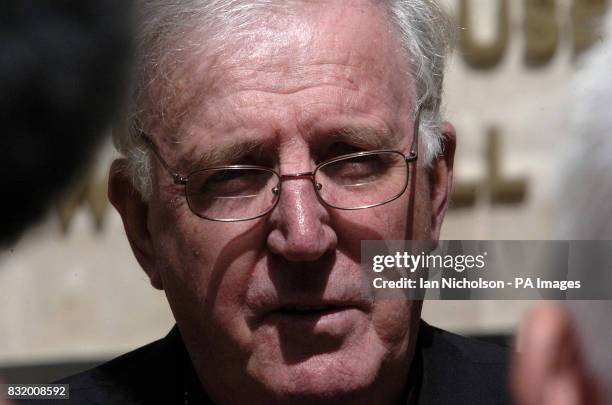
<point>361,170</point>
<point>237,182</point>
<point>357,167</point>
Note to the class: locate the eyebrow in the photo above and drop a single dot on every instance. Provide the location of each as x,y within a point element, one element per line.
<point>233,151</point>
<point>225,154</point>
<point>365,137</point>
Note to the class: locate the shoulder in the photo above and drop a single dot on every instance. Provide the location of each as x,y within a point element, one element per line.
<point>472,350</point>
<point>462,370</point>
<point>146,375</point>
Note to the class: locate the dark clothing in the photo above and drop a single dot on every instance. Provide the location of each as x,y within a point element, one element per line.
<point>457,370</point>
<point>447,369</point>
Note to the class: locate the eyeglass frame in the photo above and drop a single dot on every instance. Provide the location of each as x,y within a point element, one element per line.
<point>178,179</point>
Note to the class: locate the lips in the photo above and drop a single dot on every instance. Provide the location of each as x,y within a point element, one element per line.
<point>285,302</point>
<point>304,309</point>
<point>318,309</point>
<point>272,307</point>
<point>311,312</point>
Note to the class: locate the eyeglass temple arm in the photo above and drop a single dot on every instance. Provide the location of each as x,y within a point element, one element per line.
<point>414,149</point>
<point>178,179</point>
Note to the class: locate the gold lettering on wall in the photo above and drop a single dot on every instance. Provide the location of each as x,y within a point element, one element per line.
<point>498,189</point>
<point>464,194</point>
<point>483,56</point>
<point>503,190</point>
<point>541,31</point>
<point>584,19</point>
<point>89,192</point>
<point>541,28</point>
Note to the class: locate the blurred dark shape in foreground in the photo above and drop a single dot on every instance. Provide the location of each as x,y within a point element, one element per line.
<point>63,69</point>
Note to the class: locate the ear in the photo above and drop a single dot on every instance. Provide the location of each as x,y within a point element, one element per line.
<point>134,213</point>
<point>441,179</point>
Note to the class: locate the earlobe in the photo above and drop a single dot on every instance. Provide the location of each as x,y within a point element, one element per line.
<point>134,214</point>
<point>441,178</point>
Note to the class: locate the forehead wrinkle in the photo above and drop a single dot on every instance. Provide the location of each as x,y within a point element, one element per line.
<point>282,79</point>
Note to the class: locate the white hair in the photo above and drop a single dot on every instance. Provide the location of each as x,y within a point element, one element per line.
<point>168,35</point>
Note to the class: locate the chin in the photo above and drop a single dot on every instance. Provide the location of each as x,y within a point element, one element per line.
<point>323,378</point>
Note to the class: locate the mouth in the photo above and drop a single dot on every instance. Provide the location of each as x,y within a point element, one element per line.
<point>308,321</point>
<point>317,328</point>
<point>310,310</point>
<point>299,316</point>
<point>297,308</point>
<point>315,324</point>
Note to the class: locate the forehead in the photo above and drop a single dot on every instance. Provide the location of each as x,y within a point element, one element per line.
<point>318,67</point>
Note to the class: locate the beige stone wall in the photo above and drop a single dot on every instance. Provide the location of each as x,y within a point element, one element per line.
<point>80,293</point>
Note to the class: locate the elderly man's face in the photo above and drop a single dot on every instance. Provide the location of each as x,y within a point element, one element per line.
<point>273,305</point>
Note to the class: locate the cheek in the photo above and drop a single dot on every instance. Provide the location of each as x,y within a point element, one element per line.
<point>387,222</point>
<point>392,321</point>
<point>391,219</point>
<point>206,270</point>
<point>396,223</point>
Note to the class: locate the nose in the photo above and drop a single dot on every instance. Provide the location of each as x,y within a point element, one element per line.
<point>301,229</point>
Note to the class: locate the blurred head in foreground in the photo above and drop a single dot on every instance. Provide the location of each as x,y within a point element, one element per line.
<point>566,357</point>
<point>585,191</point>
<point>62,71</point>
<point>265,141</point>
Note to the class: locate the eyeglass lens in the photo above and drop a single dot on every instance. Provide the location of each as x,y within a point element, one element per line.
<point>351,183</point>
<point>363,181</point>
